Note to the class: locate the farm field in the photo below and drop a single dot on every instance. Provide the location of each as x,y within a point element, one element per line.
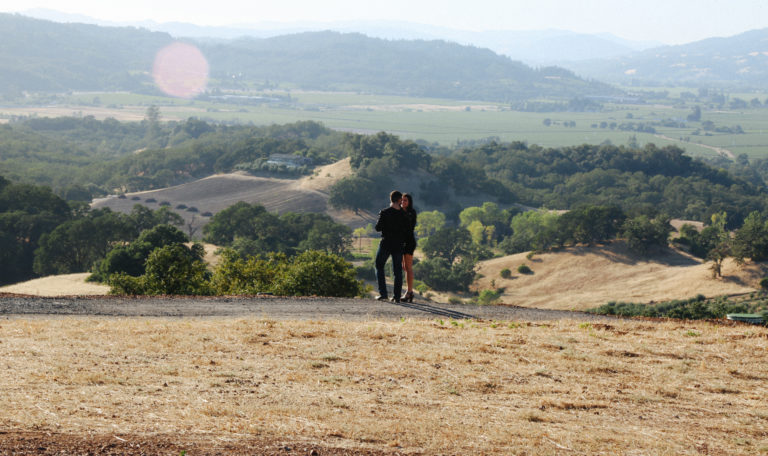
<point>438,120</point>
<point>250,385</point>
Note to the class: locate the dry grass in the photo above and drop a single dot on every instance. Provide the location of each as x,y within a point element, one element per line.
<point>437,387</point>
<point>584,277</point>
<point>59,285</point>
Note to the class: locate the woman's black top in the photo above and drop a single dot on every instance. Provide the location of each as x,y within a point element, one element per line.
<point>410,237</point>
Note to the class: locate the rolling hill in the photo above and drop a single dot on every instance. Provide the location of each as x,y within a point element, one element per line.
<point>581,278</point>
<point>217,192</point>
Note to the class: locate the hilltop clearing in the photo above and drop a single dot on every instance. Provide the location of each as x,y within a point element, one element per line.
<point>256,385</point>
<point>580,278</point>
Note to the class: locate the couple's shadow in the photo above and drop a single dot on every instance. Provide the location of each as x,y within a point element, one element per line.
<point>436,310</point>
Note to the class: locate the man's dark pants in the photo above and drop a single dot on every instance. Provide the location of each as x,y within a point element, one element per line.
<point>386,250</point>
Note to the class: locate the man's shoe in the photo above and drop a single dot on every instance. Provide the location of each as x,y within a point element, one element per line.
<point>395,300</point>
<point>381,298</point>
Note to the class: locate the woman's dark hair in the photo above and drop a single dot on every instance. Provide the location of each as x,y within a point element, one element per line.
<point>410,202</point>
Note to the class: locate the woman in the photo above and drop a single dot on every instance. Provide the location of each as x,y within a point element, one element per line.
<point>410,245</point>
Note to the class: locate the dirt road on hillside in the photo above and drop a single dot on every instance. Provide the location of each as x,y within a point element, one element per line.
<point>270,307</point>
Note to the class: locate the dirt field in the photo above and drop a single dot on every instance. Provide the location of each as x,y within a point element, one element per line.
<point>584,277</point>
<point>261,386</point>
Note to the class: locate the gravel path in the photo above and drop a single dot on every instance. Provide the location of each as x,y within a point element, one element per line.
<point>270,307</point>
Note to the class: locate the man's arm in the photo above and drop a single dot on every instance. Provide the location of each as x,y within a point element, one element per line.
<point>380,223</point>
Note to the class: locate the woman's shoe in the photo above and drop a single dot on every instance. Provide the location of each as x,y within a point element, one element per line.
<point>408,297</point>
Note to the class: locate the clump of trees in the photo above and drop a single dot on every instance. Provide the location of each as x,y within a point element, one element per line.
<point>252,230</point>
<point>716,243</point>
<point>42,234</point>
<point>288,254</point>
<point>696,308</point>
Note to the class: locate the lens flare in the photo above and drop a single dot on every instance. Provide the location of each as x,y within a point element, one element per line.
<point>180,70</point>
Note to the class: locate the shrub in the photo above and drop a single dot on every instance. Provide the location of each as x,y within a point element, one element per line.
<point>151,200</point>
<point>318,273</point>
<point>420,286</point>
<point>236,275</point>
<point>172,269</point>
<point>366,272</point>
<point>441,275</point>
<point>505,273</point>
<point>524,269</point>
<point>488,297</point>
<point>181,206</point>
<point>764,283</point>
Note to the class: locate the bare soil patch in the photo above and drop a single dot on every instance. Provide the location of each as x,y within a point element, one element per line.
<point>250,385</point>
<point>580,278</point>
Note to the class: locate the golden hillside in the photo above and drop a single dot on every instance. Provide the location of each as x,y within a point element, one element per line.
<point>580,278</point>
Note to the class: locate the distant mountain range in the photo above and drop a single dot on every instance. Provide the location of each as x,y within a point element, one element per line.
<point>534,47</point>
<point>737,60</point>
<point>405,59</point>
<point>40,55</point>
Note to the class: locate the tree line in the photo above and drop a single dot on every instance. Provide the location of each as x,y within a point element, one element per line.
<point>94,158</point>
<point>97,157</point>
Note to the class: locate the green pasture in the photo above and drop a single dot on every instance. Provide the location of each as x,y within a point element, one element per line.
<point>449,121</point>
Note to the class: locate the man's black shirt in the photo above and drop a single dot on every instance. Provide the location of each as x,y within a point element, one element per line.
<point>393,225</point>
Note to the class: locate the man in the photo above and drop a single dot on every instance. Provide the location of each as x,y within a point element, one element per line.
<point>392,224</point>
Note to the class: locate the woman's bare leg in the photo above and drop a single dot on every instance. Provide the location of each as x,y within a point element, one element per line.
<point>408,268</point>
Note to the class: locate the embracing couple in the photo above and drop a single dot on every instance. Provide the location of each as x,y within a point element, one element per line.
<point>396,224</point>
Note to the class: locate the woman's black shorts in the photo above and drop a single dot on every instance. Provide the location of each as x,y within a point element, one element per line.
<point>409,247</point>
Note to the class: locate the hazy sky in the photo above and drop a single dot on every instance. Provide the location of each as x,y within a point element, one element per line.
<point>669,21</point>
